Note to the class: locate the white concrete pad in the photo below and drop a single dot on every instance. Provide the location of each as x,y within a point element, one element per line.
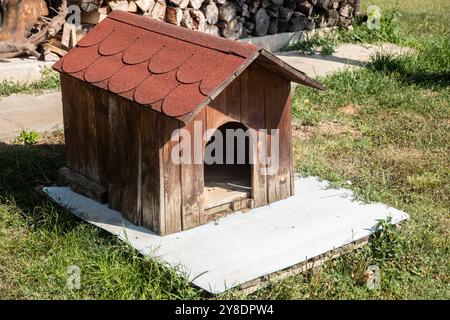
<point>245,246</point>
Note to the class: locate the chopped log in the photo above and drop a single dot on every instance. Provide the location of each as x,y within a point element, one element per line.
<point>89,5</point>
<point>55,48</point>
<point>323,4</point>
<point>262,21</point>
<point>332,18</point>
<point>65,40</point>
<point>228,11</point>
<point>290,4</point>
<point>305,7</point>
<point>278,2</point>
<point>285,13</point>
<point>118,5</point>
<point>193,19</point>
<point>334,4</point>
<point>233,33</point>
<point>82,185</point>
<point>212,30</point>
<point>196,4</point>
<point>17,18</point>
<point>321,20</point>
<point>132,7</point>
<point>174,15</point>
<point>273,26</point>
<point>145,5</point>
<point>283,25</point>
<point>249,25</point>
<point>211,12</point>
<point>310,24</point>
<point>346,11</point>
<point>95,16</point>
<point>242,10</point>
<point>297,22</point>
<point>180,3</point>
<point>159,10</point>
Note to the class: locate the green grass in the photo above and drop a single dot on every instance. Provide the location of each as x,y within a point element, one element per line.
<point>382,131</point>
<point>49,81</point>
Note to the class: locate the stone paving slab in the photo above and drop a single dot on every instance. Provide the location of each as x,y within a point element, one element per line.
<point>347,56</point>
<point>28,112</point>
<point>24,69</point>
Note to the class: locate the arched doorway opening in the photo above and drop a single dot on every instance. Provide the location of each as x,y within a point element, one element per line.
<point>227,168</point>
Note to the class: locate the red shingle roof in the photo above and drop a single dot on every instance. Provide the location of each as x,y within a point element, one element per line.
<point>172,69</point>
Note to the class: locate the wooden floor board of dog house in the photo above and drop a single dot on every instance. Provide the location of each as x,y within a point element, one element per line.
<point>226,184</point>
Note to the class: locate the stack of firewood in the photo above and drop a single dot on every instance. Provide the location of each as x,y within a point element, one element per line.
<point>232,19</point>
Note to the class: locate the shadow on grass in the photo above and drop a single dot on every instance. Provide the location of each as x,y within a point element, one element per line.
<point>112,268</point>
<point>22,169</point>
<point>429,68</point>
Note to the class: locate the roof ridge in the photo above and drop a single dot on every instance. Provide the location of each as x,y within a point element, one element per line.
<point>244,50</point>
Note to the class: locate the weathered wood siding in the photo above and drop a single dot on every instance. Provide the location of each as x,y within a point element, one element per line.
<point>127,148</point>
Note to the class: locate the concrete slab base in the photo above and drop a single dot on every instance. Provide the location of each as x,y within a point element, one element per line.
<point>242,247</point>
<point>346,56</point>
<point>276,42</point>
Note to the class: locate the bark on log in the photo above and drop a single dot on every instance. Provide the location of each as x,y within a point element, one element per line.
<point>174,15</point>
<point>193,19</point>
<point>196,4</point>
<point>212,30</point>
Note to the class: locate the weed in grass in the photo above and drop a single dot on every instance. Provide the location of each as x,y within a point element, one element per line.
<point>49,81</point>
<point>27,137</point>
<point>385,244</point>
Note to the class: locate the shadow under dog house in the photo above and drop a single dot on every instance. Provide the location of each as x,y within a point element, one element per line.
<point>132,81</point>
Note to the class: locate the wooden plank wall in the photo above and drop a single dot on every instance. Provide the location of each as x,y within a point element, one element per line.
<point>127,148</point>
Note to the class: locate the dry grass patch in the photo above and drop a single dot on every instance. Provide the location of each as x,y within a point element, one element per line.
<point>350,109</point>
<point>324,128</point>
<point>396,154</point>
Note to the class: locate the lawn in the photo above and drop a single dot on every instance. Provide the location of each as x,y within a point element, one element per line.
<point>382,131</point>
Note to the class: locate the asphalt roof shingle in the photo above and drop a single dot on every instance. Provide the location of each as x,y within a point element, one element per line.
<point>171,69</point>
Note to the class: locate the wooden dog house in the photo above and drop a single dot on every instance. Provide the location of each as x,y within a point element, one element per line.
<point>132,81</point>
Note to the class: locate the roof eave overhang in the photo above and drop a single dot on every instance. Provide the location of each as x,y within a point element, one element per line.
<point>268,61</point>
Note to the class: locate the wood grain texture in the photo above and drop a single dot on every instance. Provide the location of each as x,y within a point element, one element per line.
<point>124,158</point>
<point>192,178</point>
<point>277,106</point>
<point>253,116</point>
<point>152,185</point>
<point>172,178</point>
